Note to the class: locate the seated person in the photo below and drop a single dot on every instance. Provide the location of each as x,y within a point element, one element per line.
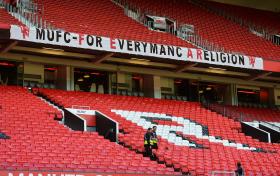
<point>4,136</point>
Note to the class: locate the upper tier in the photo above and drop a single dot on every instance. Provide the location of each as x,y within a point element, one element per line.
<point>103,18</point>
<point>212,27</point>
<point>262,18</point>
<point>7,19</point>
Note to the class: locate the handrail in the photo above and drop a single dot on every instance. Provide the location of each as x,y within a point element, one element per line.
<point>267,33</point>
<point>234,113</point>
<point>193,38</point>
<point>271,125</point>
<point>30,14</point>
<point>197,39</point>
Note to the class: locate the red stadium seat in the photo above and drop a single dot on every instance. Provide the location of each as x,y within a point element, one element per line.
<point>7,19</point>
<point>40,143</point>
<point>103,18</point>
<point>200,161</point>
<point>216,29</point>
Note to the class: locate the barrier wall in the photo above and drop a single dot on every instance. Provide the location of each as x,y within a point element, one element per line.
<point>73,121</point>
<point>274,135</point>
<point>106,127</point>
<point>255,132</point>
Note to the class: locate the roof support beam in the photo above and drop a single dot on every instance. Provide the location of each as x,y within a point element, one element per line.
<point>129,69</point>
<point>49,51</point>
<point>270,78</point>
<point>262,75</point>
<point>142,63</point>
<point>182,68</point>
<point>8,47</point>
<point>101,58</point>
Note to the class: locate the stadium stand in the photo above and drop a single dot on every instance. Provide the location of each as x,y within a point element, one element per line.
<point>7,19</point>
<point>249,113</point>
<point>192,138</point>
<point>40,143</point>
<point>102,18</point>
<point>211,27</point>
<point>117,25</point>
<point>214,141</point>
<point>266,19</point>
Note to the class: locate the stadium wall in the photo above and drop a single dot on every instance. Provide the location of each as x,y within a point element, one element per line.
<point>277,96</point>
<point>64,78</point>
<point>167,83</point>
<point>152,82</point>
<point>121,78</point>
<point>231,95</point>
<point>133,69</point>
<point>31,70</point>
<point>158,77</point>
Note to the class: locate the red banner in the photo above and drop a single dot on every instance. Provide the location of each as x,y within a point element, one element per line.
<point>273,66</point>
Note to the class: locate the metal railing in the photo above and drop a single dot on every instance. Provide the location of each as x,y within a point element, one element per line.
<point>31,7</point>
<point>271,125</point>
<point>198,41</point>
<point>28,13</point>
<point>193,38</point>
<point>265,32</point>
<point>234,113</point>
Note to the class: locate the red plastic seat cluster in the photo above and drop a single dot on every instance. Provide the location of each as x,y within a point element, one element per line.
<point>259,114</point>
<point>102,18</point>
<point>199,161</point>
<point>266,19</point>
<point>214,28</point>
<point>38,142</point>
<point>6,19</point>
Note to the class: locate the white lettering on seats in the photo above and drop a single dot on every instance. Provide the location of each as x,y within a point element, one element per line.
<point>189,128</point>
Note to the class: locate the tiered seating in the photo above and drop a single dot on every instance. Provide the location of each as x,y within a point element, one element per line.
<point>265,19</point>
<point>102,18</point>
<point>251,114</point>
<point>40,143</point>
<point>211,27</point>
<point>7,19</point>
<point>211,141</point>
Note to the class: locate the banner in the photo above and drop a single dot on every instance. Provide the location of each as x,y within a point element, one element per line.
<point>158,22</point>
<point>187,28</point>
<point>62,38</point>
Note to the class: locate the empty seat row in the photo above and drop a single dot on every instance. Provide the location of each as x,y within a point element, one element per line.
<point>203,141</point>
<point>38,142</point>
<point>102,18</point>
<point>216,29</point>
<point>249,113</point>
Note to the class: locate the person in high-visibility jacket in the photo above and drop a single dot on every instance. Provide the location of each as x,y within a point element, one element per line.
<point>154,138</point>
<point>148,142</point>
